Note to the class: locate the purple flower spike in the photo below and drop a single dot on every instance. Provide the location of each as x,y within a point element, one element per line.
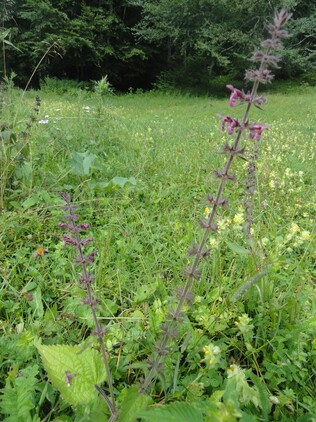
<point>235,95</point>
<point>68,240</point>
<point>256,130</point>
<point>260,56</point>
<point>231,123</point>
<point>86,259</point>
<point>263,76</point>
<point>84,242</point>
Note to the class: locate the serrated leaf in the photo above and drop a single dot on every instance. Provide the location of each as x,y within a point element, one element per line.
<point>311,321</point>
<point>17,398</point>
<point>87,366</point>
<point>265,403</point>
<point>175,412</point>
<point>132,404</point>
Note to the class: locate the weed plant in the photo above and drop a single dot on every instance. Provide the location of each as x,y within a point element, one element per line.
<point>137,167</point>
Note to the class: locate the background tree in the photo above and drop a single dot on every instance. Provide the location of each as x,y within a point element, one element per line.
<point>186,43</point>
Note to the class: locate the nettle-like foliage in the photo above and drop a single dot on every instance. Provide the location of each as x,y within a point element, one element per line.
<point>18,396</point>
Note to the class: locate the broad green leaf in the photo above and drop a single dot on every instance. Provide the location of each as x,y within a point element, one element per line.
<point>114,183</point>
<point>29,202</point>
<point>145,292</point>
<point>175,412</point>
<point>121,181</point>
<point>86,366</point>
<point>240,250</point>
<point>82,163</point>
<point>8,135</point>
<point>132,404</point>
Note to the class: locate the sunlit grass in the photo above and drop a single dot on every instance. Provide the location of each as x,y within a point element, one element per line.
<point>171,145</point>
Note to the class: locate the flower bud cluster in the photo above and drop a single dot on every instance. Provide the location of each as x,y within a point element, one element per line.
<point>74,239</point>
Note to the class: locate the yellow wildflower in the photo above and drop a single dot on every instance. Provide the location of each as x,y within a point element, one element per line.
<point>239,218</point>
<point>294,228</point>
<point>213,243</point>
<point>272,184</point>
<point>305,235</point>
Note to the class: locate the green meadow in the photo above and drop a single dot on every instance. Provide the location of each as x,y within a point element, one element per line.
<point>140,166</point>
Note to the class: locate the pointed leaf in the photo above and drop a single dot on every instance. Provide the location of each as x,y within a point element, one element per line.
<point>12,45</point>
<point>86,366</point>
<point>4,34</point>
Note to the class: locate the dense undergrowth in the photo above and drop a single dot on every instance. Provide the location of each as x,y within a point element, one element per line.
<point>139,167</point>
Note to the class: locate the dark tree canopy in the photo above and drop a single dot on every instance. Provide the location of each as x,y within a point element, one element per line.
<point>185,42</point>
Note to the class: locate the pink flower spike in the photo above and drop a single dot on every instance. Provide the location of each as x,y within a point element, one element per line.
<point>231,123</point>
<point>255,130</point>
<point>235,95</point>
<point>85,241</point>
<point>68,240</point>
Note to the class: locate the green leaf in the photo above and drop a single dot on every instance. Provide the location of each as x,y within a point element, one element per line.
<point>8,135</point>
<point>36,303</point>
<point>265,403</point>
<point>175,412</point>
<point>87,368</point>
<point>29,202</point>
<point>114,183</point>
<point>11,45</point>
<point>132,404</point>
<point>240,250</point>
<point>145,292</point>
<point>17,398</point>
<point>121,181</point>
<point>250,282</point>
<point>4,34</point>
<point>82,163</point>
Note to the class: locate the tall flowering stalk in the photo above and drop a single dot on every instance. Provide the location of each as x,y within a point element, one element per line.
<point>239,128</point>
<point>73,238</point>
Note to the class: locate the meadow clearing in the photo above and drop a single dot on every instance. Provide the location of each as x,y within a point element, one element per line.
<point>139,166</point>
